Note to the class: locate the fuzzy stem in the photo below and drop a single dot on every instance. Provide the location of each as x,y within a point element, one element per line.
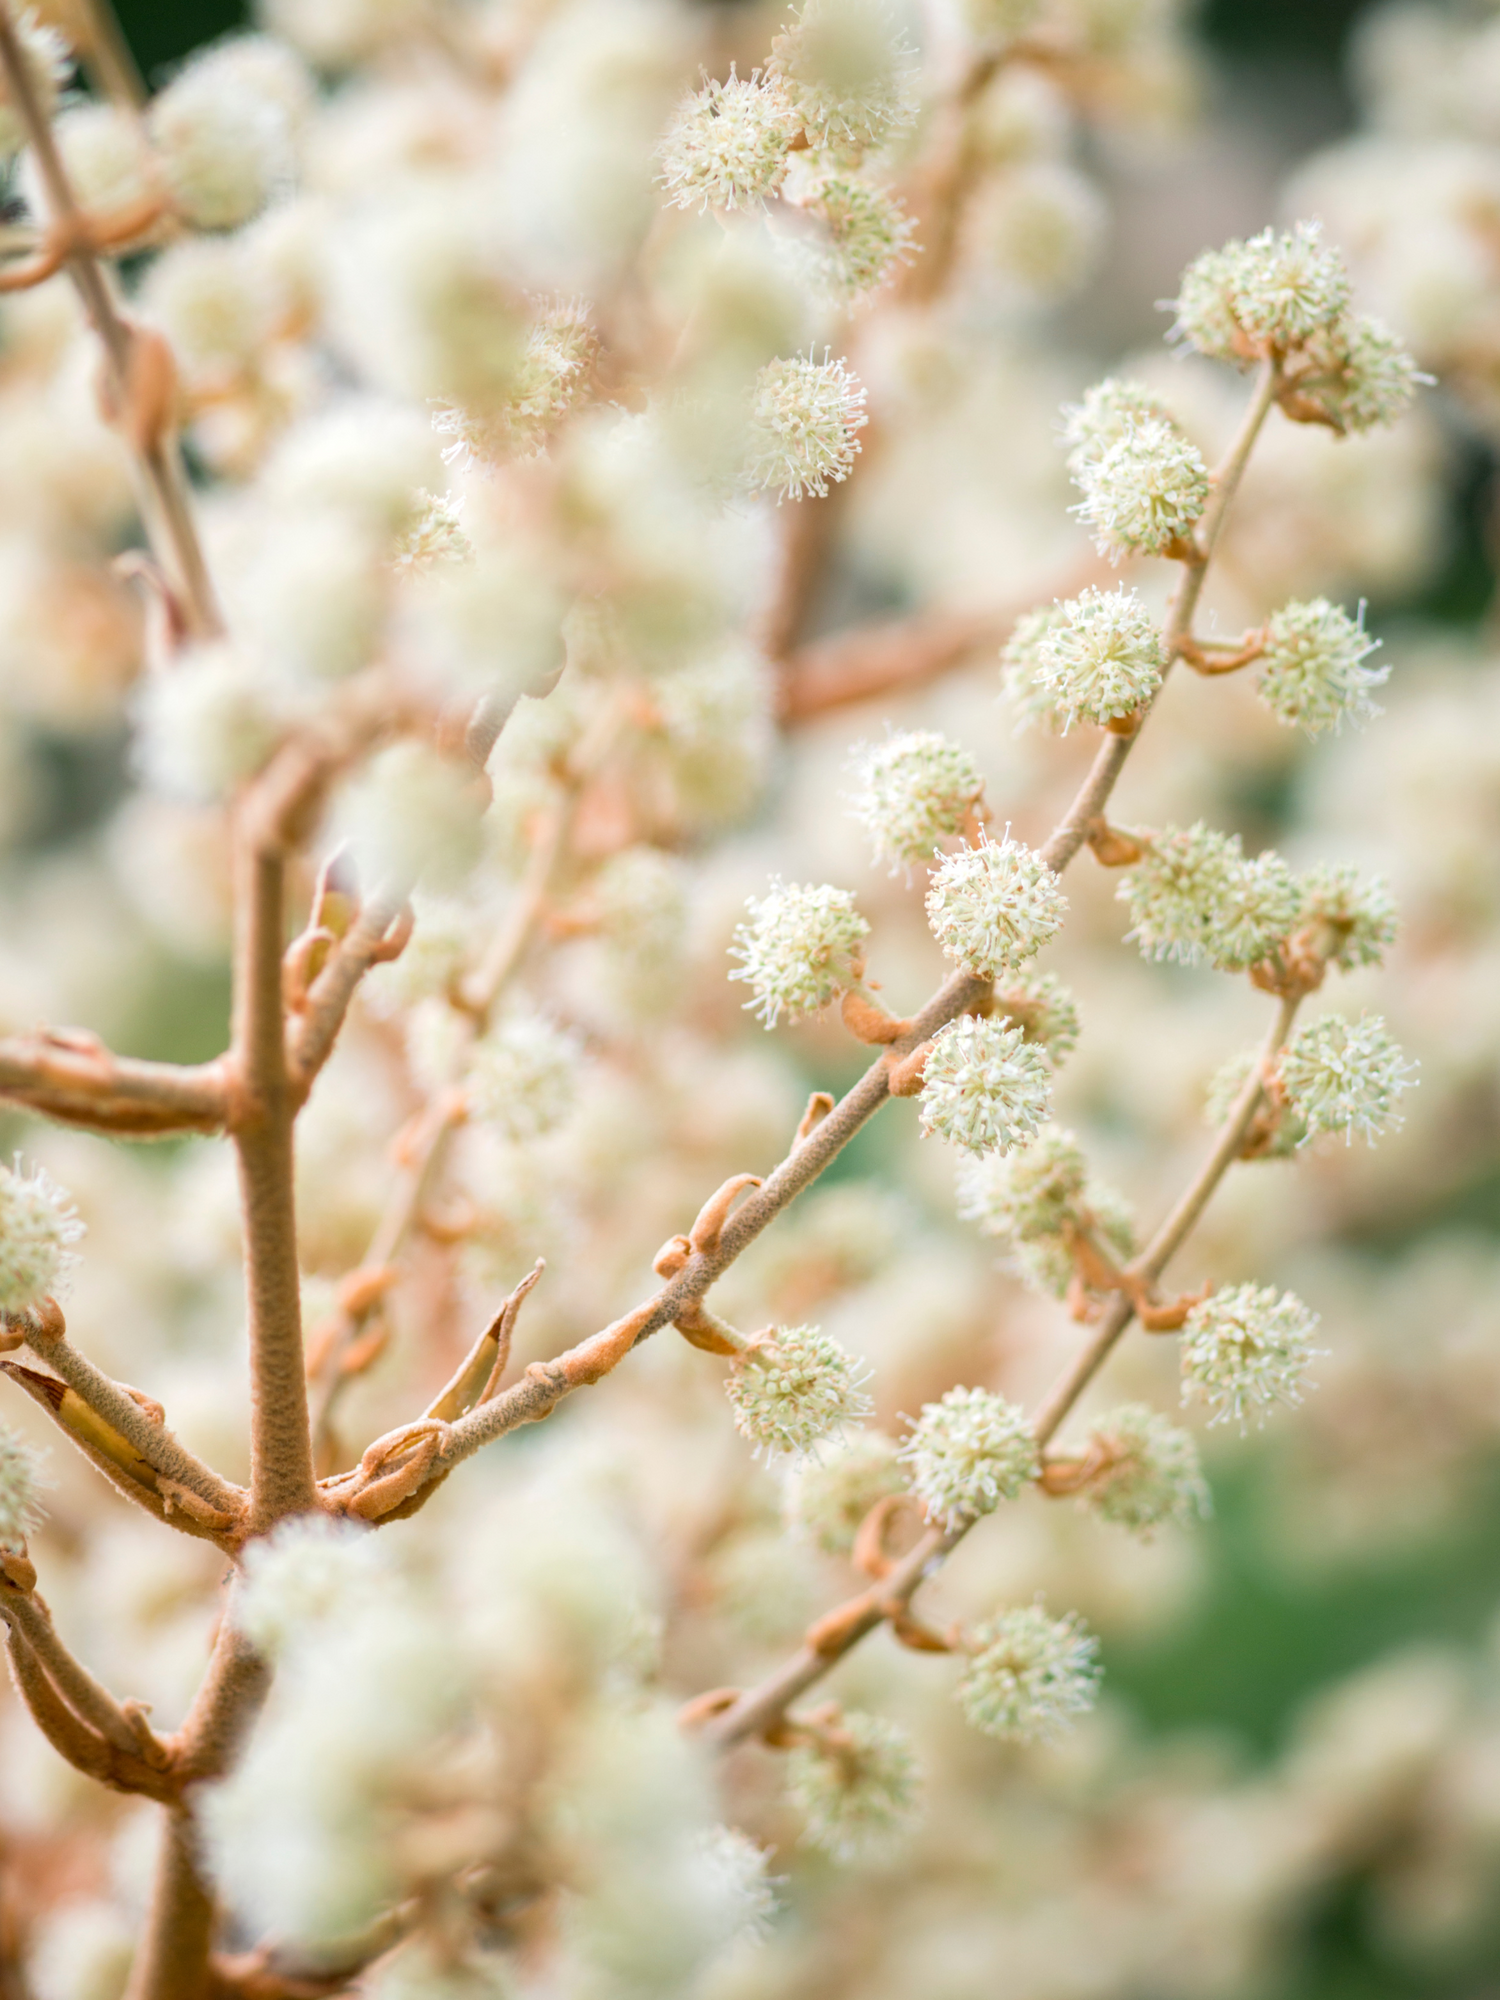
<point>171,1962</point>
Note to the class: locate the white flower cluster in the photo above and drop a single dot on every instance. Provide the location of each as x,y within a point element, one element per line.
<point>412,815</point>
<point>1045,1011</point>
<point>1245,1349</point>
<point>1281,1129</point>
<point>967,1453</point>
<point>1095,659</point>
<point>522,1077</point>
<point>223,130</point>
<point>20,1494</point>
<point>914,789</point>
<point>1108,411</point>
<point>856,1795</point>
<point>1034,1200</point>
<point>205,724</point>
<point>826,1499</point>
<point>38,1228</point>
<point>552,376</point>
<point>1144,493</point>
<point>847,71</point>
<point>1313,674</point>
<point>796,1389</point>
<point>985,1088</point>
<point>1029,1675</point>
<point>865,235</point>
<point>310,1571</point>
<point>804,427</point>
<point>435,539</point>
<point>1151,1473</point>
<point>727,147</point>
<point>1194,896</point>
<point>1353,922</point>
<point>994,905</point>
<point>1346,1076</point>
<point>800,950</point>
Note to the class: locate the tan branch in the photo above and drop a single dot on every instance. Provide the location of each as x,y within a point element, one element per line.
<point>68,1074</point>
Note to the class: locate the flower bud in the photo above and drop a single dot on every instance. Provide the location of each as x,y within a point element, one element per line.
<point>969,1452</point>
<point>1245,1349</point>
<point>985,1088</point>
<point>798,952</point>
<point>994,905</point>
<point>1030,1675</point>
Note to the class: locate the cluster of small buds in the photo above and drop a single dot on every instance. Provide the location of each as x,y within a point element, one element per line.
<point>1029,1675</point>
<point>1107,412</point>
<point>857,1792</point>
<point>642,899</point>
<point>848,73</point>
<point>1193,895</point>
<point>914,789</point>
<point>1346,1076</point>
<point>1033,1201</point>
<point>795,1389</point>
<point>1361,375</point>
<point>20,1490</point>
<point>38,1228</point>
<point>553,376</point>
<point>969,1452</point>
<point>224,141</point>
<point>1353,922</point>
<point>985,1088</point>
<point>1097,660</point>
<point>1151,1473</point>
<point>1281,1127</point>
<point>800,950</point>
<point>1144,493</point>
<point>435,539</point>
<point>1313,674</point>
<point>205,725</point>
<point>311,1571</point>
<point>1270,293</point>
<point>523,1077</point>
<point>1245,1349</point>
<point>410,816</point>
<point>1044,1010</point>
<point>728,145</point>
<point>48,63</point>
<point>826,1499</point>
<point>804,427</point>
<point>994,905</point>
<point>1030,698</point>
<point>866,235</point>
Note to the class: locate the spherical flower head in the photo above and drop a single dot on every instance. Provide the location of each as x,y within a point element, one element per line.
<point>795,1389</point>
<point>1144,494</point>
<point>969,1452</point>
<point>1193,896</point>
<point>1101,659</point>
<point>1353,922</point>
<point>1107,412</point>
<point>1346,1076</point>
<point>856,1788</point>
<point>523,1077</point>
<point>827,1498</point>
<point>1038,1190</point>
<point>642,898</point>
<point>435,539</point>
<point>553,376</point>
<point>804,427</point>
<point>1280,1128</point>
<point>800,950</point>
<point>914,789</point>
<point>1151,1472</point>
<point>1028,695</point>
<point>985,1088</point>
<point>105,157</point>
<point>1043,1009</point>
<point>38,1228</point>
<point>1361,375</point>
<point>412,815</point>
<point>1245,1349</point>
<point>1269,294</point>
<point>225,148</point>
<point>205,724</point>
<point>1259,904</point>
<point>847,71</point>
<point>1313,674</point>
<point>727,146</point>
<point>20,1490</point>
<point>866,235</point>
<point>47,62</point>
<point>994,905</point>
<point>1029,1675</point>
<point>309,1574</point>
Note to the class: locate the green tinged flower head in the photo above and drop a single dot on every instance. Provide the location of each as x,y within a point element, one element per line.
<point>1107,411</point>
<point>1273,292</point>
<point>1033,1201</point>
<point>1099,660</point>
<point>804,426</point>
<point>1194,896</point>
<point>799,950</point>
<point>985,1087</point>
<point>728,145</point>
<point>827,1498</point>
<point>523,1077</point>
<point>20,1490</point>
<point>794,1390</point>
<point>1360,375</point>
<point>866,235</point>
<point>969,1452</point>
<point>1245,1349</point>
<point>38,1228</point>
<point>994,905</point>
<point>1313,674</point>
<point>857,1788</point>
<point>1354,922</point>
<point>847,72</point>
<point>1029,1675</point>
<point>1346,1076</point>
<point>1043,1009</point>
<point>1029,696</point>
<point>914,789</point>
<point>1151,1472</point>
<point>1287,1129</point>
<point>1145,492</point>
